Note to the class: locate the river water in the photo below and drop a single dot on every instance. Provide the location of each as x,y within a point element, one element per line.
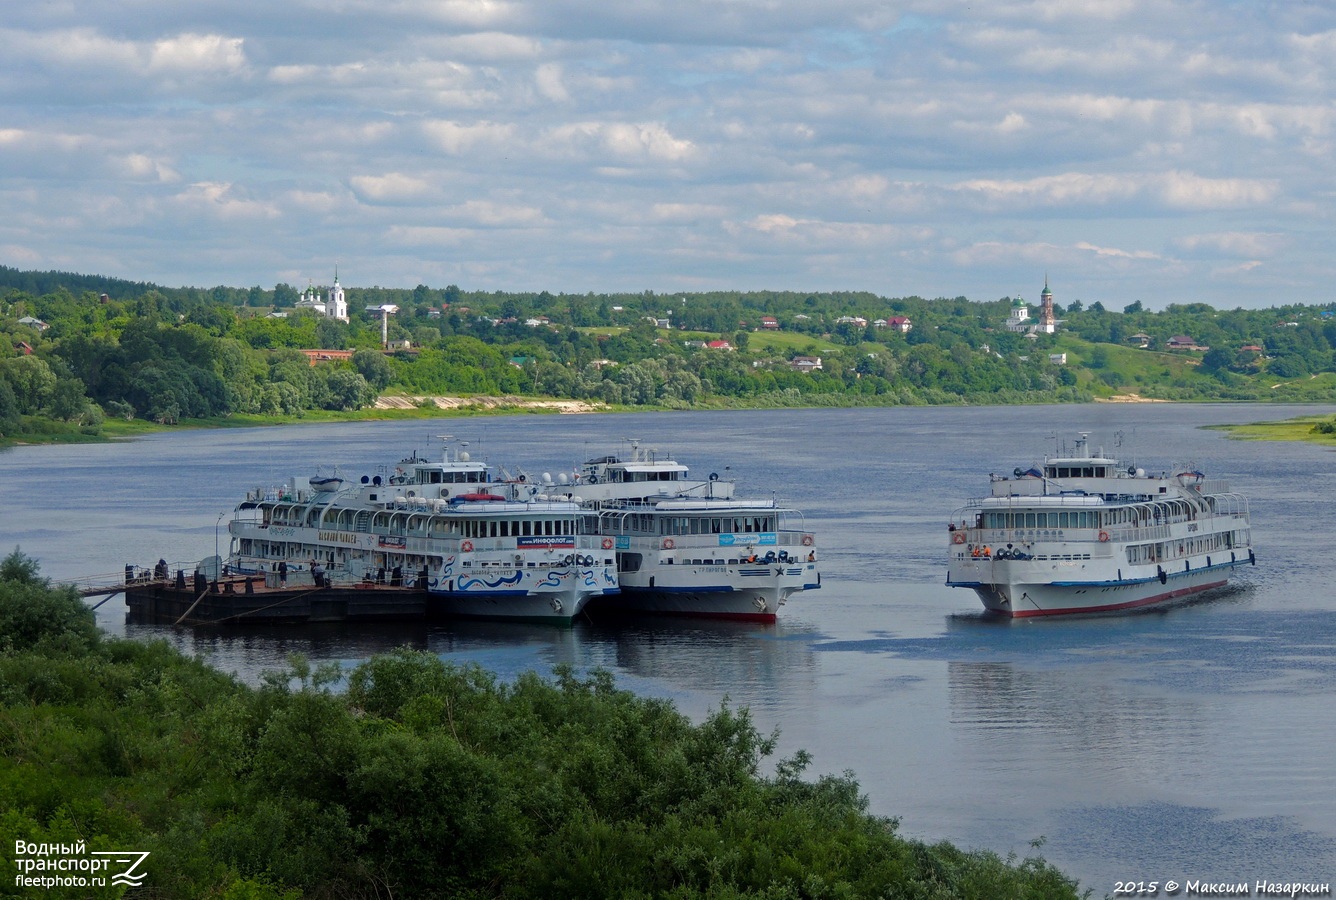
<point>1192,743</point>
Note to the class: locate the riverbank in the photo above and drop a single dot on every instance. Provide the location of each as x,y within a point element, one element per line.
<point>489,404</point>
<point>386,408</point>
<point>1303,429</point>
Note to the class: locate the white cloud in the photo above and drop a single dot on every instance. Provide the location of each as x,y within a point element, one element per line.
<point>458,138</point>
<point>1184,190</point>
<point>684,213</point>
<point>429,236</point>
<point>1116,252</point>
<point>197,53</point>
<point>489,213</point>
<point>1173,190</point>
<point>141,167</point>
<point>391,188</point>
<point>1234,243</point>
<point>548,79</point>
<point>677,141</point>
<point>16,255</point>
<point>490,47</point>
<point>645,142</point>
<point>220,200</point>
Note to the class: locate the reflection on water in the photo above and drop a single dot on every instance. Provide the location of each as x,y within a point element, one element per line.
<point>676,658</point>
<point>1191,741</point>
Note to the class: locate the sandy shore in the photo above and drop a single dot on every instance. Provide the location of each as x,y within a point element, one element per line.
<point>561,406</point>
<point>1129,398</point>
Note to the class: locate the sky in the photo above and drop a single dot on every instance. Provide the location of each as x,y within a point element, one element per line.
<point>1167,152</point>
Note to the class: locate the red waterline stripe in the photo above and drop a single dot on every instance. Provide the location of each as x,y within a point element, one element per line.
<point>1169,595</point>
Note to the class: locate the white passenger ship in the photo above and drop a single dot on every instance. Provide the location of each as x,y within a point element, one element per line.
<point>717,558</point>
<point>479,544</point>
<point>1082,534</point>
<point>687,546</point>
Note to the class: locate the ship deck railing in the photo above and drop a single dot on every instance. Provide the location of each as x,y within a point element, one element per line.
<point>1115,534</point>
<point>102,584</point>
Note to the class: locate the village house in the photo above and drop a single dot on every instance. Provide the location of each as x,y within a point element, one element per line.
<point>1183,342</point>
<point>769,323</point>
<point>315,357</point>
<point>805,363</point>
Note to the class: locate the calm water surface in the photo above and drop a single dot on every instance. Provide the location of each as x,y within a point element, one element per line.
<point>1188,743</point>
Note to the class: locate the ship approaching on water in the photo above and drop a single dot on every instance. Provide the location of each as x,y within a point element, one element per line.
<point>1083,534</point>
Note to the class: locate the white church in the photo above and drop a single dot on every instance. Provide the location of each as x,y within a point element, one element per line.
<point>334,306</point>
<point>1020,320</point>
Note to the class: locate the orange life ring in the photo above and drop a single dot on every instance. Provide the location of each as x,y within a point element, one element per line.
<point>958,537</point>
<point>467,546</point>
<point>607,543</point>
<point>668,544</point>
<point>807,540</point>
<point>1103,537</point>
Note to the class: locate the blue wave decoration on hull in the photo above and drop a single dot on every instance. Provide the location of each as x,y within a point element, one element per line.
<point>554,579</point>
<point>468,584</point>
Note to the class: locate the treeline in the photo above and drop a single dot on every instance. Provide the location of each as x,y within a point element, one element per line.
<point>419,778</point>
<point>162,355</point>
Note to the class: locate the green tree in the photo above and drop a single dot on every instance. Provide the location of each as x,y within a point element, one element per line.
<point>30,379</point>
<point>347,390</point>
<point>285,295</point>
<point>374,367</point>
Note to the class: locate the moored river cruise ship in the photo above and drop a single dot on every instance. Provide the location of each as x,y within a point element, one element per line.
<point>687,546</point>
<point>479,544</point>
<point>712,558</point>
<point>1083,534</point>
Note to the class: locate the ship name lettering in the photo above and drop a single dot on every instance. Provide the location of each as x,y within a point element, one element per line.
<point>338,537</point>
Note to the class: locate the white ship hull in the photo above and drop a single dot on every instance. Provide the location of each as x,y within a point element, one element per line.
<point>549,595</point>
<point>751,592</point>
<point>1084,535</point>
<point>1006,588</point>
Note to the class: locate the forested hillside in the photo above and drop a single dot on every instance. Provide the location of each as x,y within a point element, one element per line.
<point>78,350</point>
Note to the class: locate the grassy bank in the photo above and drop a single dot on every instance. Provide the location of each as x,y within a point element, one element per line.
<point>1305,428</point>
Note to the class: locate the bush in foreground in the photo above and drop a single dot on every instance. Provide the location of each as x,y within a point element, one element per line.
<point>423,778</point>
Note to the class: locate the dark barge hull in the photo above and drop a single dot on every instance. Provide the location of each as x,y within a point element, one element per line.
<point>229,603</point>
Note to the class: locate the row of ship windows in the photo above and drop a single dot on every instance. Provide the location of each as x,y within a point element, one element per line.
<point>645,524</point>
<point>715,525</point>
<point>447,478</point>
<point>1065,519</point>
<point>476,528</point>
<point>1208,543</point>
